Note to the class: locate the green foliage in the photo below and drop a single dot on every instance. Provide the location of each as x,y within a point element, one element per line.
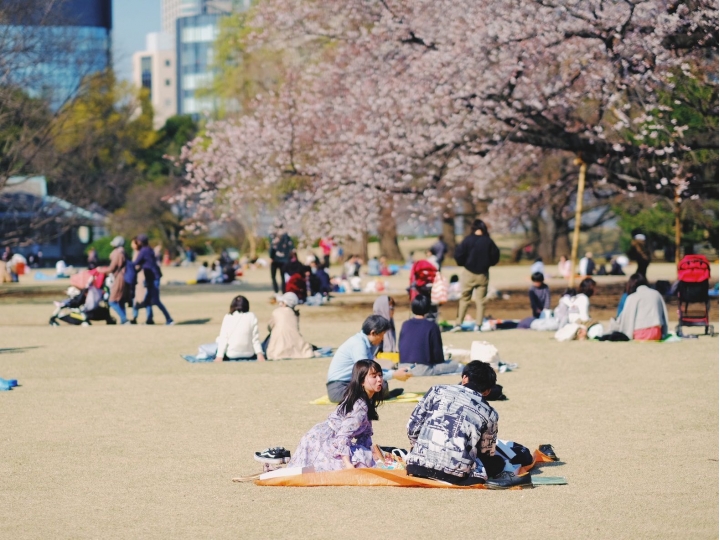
<point>656,219</point>
<point>103,247</point>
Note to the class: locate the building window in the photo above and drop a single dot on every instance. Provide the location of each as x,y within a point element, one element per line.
<point>146,73</point>
<point>167,82</point>
<point>167,63</point>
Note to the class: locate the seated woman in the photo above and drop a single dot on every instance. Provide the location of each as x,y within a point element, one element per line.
<point>644,316</point>
<point>385,307</point>
<point>285,339</point>
<point>344,440</point>
<point>421,343</point>
<point>579,306</point>
<point>238,339</point>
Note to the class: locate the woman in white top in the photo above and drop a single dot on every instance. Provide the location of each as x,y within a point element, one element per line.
<point>239,338</point>
<point>579,307</point>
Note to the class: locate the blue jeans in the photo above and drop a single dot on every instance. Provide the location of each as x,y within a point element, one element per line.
<point>120,310</point>
<point>152,298</point>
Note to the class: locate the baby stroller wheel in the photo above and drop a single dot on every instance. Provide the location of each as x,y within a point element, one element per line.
<point>710,331</point>
<point>53,321</point>
<point>678,330</point>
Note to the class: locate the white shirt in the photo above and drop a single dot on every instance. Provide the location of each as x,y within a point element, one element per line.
<point>239,336</point>
<point>579,309</point>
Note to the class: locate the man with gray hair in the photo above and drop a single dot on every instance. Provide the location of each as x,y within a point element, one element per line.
<point>361,346</point>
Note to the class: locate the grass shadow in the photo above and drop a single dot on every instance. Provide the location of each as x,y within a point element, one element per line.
<point>193,321</point>
<point>15,350</point>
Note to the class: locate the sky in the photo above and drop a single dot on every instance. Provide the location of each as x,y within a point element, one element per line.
<point>132,19</point>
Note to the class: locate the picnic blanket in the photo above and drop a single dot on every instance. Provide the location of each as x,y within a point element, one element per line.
<point>407,397</point>
<point>7,384</point>
<point>382,478</point>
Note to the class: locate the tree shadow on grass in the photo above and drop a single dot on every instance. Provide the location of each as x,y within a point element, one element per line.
<point>15,350</point>
<point>193,321</point>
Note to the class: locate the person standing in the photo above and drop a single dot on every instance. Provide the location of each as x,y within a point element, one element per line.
<point>281,247</point>
<point>147,262</point>
<point>117,266</point>
<point>327,244</point>
<point>476,254</point>
<point>640,253</point>
<point>439,249</point>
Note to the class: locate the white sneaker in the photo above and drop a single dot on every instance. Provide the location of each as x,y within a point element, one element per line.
<point>456,328</point>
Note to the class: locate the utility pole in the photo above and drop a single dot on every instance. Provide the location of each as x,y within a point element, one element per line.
<point>578,218</point>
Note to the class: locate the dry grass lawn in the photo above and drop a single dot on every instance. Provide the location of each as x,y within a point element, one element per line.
<point>113,435</point>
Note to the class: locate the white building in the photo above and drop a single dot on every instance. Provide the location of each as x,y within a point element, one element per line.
<point>155,69</point>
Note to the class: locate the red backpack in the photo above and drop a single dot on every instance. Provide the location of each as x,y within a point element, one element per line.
<point>693,269</point>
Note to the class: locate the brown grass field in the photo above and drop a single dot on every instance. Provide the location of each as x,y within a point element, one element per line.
<point>112,435</point>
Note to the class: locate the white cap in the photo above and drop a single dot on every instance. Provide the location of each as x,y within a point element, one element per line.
<point>639,237</point>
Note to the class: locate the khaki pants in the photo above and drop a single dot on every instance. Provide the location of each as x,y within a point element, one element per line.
<point>469,282</point>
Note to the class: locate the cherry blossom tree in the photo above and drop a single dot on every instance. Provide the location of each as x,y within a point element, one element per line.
<point>417,101</point>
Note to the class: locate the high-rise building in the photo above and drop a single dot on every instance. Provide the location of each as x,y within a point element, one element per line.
<point>154,69</point>
<point>47,49</point>
<point>172,10</point>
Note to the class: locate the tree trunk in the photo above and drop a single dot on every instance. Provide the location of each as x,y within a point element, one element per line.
<point>562,239</point>
<point>448,234</point>
<point>387,231</point>
<point>678,227</point>
<point>357,246</point>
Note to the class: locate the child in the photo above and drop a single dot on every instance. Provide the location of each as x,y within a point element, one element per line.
<point>539,299</point>
<point>329,446</point>
<point>539,295</point>
<point>454,289</point>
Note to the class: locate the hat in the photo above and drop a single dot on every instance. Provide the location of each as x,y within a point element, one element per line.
<point>290,299</point>
<point>639,237</point>
<point>142,238</point>
<point>117,241</point>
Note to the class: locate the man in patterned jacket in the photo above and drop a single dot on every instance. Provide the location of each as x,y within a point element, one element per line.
<point>453,432</point>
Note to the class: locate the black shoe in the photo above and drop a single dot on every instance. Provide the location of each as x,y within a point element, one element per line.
<point>508,480</point>
<point>549,451</point>
<point>150,322</point>
<point>273,455</point>
<point>394,393</point>
<point>133,321</point>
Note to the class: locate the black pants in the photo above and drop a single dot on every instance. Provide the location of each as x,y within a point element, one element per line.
<point>642,267</point>
<point>494,465</point>
<point>274,268</point>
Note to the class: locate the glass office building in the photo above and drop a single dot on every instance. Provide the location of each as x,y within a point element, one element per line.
<point>195,48</point>
<point>47,53</point>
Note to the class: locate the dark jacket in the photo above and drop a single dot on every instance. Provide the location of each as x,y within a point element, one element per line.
<point>281,248</point>
<point>147,262</point>
<point>421,343</point>
<point>477,253</point>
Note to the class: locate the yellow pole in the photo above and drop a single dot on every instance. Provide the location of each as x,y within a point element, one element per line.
<point>678,226</point>
<point>578,219</point>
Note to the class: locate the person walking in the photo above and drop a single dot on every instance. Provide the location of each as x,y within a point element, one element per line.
<point>439,249</point>
<point>118,262</point>
<point>147,262</point>
<point>281,247</point>
<point>476,254</point>
<point>640,253</point>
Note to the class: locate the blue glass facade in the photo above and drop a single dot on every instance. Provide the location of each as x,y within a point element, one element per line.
<point>48,56</point>
<point>195,48</point>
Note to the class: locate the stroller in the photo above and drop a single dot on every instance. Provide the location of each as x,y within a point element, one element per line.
<point>692,288</point>
<point>86,304</point>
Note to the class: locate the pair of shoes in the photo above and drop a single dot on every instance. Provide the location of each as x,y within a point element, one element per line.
<point>150,322</point>
<point>273,455</point>
<point>456,328</point>
<point>549,451</point>
<point>509,480</point>
<point>394,393</point>
<point>170,323</point>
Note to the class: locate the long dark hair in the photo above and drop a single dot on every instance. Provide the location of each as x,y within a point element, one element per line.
<point>239,303</point>
<point>355,389</point>
<point>635,281</point>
